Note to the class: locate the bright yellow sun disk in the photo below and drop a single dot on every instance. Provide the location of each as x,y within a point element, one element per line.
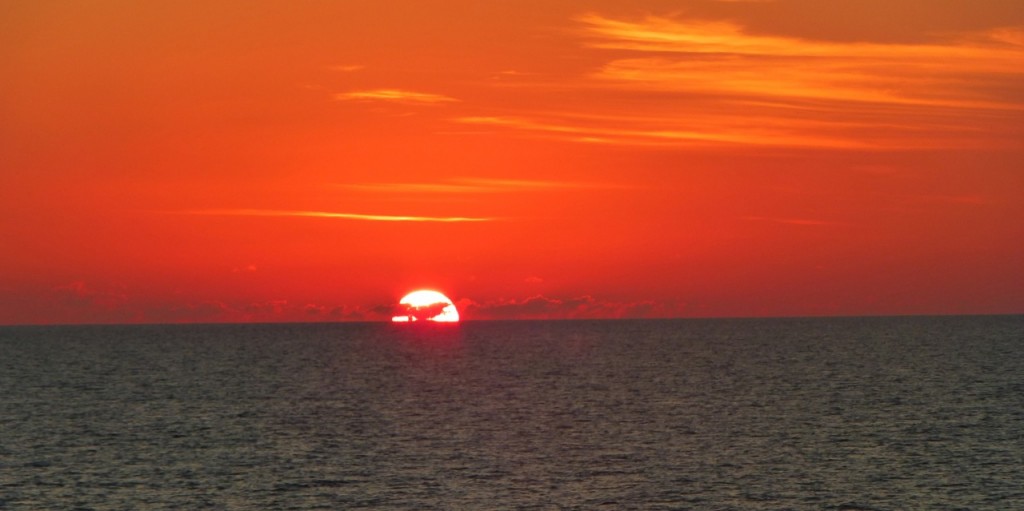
<point>426,305</point>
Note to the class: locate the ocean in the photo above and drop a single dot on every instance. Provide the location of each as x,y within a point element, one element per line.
<point>903,413</point>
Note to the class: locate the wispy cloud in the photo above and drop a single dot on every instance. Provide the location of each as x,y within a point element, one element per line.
<point>479,185</point>
<point>347,68</point>
<point>443,187</point>
<point>680,82</point>
<point>328,214</point>
<point>497,184</point>
<point>394,95</point>
<point>664,130</point>
<point>721,57</point>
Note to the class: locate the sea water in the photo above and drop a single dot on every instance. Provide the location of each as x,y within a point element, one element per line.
<point>825,414</point>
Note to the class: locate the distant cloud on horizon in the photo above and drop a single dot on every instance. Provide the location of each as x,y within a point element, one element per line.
<point>580,307</point>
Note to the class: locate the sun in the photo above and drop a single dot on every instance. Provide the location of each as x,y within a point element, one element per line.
<point>426,305</point>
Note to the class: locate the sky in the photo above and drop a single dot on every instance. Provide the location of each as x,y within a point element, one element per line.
<point>225,161</point>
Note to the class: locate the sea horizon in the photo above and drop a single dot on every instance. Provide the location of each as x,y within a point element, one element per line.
<point>500,320</point>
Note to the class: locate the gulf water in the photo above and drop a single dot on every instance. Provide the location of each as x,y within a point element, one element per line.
<point>907,413</point>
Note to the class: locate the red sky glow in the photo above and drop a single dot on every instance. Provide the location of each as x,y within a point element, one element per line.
<point>231,160</point>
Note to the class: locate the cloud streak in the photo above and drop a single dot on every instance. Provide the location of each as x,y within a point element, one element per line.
<point>335,215</point>
<point>662,130</point>
<point>679,82</point>
<point>395,96</point>
<point>722,57</point>
<point>479,186</point>
<point>347,68</point>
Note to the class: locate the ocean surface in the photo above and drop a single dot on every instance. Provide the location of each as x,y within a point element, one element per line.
<point>910,413</point>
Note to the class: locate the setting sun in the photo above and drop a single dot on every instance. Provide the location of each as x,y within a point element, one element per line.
<point>259,226</point>
<point>426,305</point>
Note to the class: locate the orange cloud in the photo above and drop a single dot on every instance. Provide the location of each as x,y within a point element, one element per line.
<point>347,68</point>
<point>477,185</point>
<point>415,188</point>
<point>680,83</point>
<point>721,57</point>
<point>326,214</point>
<point>394,95</point>
<point>667,130</point>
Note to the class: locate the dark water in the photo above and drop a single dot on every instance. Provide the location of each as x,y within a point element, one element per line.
<point>823,414</point>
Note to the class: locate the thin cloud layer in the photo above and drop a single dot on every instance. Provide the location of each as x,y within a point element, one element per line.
<point>395,95</point>
<point>580,307</point>
<point>721,57</point>
<point>686,82</point>
<point>478,186</point>
<point>672,131</point>
<point>347,68</point>
<point>328,214</point>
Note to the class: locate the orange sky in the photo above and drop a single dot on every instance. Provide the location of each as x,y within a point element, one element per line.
<point>313,161</point>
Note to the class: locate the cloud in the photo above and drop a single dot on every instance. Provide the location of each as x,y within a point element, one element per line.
<point>580,307</point>
<point>506,185</point>
<point>82,303</point>
<point>215,311</point>
<point>682,82</point>
<point>421,312</point>
<point>479,185</point>
<point>721,57</point>
<point>666,130</point>
<point>327,214</point>
<point>1008,35</point>
<point>79,302</point>
<point>274,310</point>
<point>78,294</point>
<point>347,68</point>
<point>443,187</point>
<point>313,309</point>
<point>267,308</point>
<point>361,313</point>
<point>208,311</point>
<point>394,95</point>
